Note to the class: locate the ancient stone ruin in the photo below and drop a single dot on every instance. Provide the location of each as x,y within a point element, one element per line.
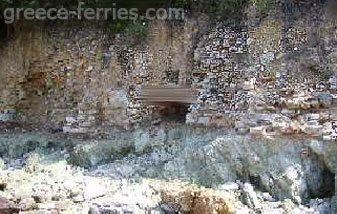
<point>231,110</point>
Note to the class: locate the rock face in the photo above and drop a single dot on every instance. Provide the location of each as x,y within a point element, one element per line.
<point>90,82</point>
<point>57,187</point>
<point>250,197</point>
<point>179,197</point>
<point>286,168</point>
<point>295,169</point>
<point>259,137</point>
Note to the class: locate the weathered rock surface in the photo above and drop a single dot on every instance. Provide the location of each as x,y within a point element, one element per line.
<point>8,207</point>
<point>295,169</point>
<point>282,176</point>
<point>270,83</point>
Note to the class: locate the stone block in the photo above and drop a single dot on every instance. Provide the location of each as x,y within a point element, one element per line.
<point>203,120</point>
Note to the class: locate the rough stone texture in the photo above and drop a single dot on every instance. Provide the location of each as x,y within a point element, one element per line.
<point>81,81</point>
<point>196,200</point>
<point>56,186</point>
<point>8,207</point>
<point>285,168</point>
<point>268,86</point>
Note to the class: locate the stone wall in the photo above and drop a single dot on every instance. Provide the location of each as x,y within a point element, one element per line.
<point>79,78</point>
<point>272,77</point>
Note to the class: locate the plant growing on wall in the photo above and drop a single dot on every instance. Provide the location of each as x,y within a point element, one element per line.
<point>321,73</point>
<point>132,31</point>
<point>3,4</point>
<point>262,6</point>
<point>226,9</point>
<point>137,29</point>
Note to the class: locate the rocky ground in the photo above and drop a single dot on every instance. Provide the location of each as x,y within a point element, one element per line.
<point>45,177</point>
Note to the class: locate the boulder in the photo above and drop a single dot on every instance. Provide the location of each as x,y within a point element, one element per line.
<point>196,200</point>
<point>249,197</point>
<point>8,207</point>
<point>27,204</point>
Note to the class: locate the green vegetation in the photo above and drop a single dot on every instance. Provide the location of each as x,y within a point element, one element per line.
<point>322,74</point>
<point>19,3</point>
<point>137,29</point>
<point>263,6</point>
<point>270,74</point>
<point>92,3</point>
<point>180,3</point>
<point>116,27</point>
<point>3,4</point>
<point>129,29</point>
<point>230,10</point>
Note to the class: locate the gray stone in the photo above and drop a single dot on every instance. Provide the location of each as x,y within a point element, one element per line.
<point>230,186</point>
<point>203,120</point>
<point>249,197</point>
<point>149,139</point>
<point>325,99</point>
<point>320,205</point>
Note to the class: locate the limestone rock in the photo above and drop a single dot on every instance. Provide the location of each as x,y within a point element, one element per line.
<point>312,130</point>
<point>8,207</point>
<point>94,190</point>
<point>149,139</point>
<point>260,131</point>
<point>197,200</point>
<point>27,204</point>
<point>250,197</point>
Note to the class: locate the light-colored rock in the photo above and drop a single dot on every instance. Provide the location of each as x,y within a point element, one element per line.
<point>93,189</point>
<point>249,197</point>
<point>197,200</point>
<point>312,130</point>
<point>230,186</point>
<point>27,204</point>
<point>8,207</point>
<point>260,130</point>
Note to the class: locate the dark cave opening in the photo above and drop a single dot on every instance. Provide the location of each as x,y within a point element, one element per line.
<point>256,182</point>
<point>329,183</point>
<point>321,180</point>
<point>327,188</point>
<point>170,112</point>
<point>321,187</point>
